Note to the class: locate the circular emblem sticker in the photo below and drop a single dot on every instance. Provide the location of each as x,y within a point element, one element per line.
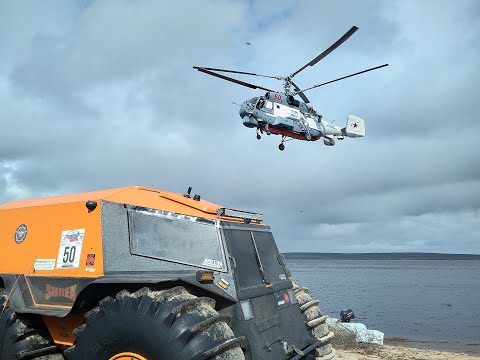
<point>21,233</point>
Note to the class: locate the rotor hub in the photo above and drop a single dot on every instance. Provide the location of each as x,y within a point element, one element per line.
<point>287,84</point>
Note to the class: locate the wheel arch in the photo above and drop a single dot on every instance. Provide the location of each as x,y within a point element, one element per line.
<point>91,294</point>
<point>90,291</point>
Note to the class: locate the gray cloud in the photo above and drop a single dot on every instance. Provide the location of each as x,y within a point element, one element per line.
<point>102,94</point>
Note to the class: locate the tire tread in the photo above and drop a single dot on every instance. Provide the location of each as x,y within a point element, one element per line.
<point>191,322</point>
<point>314,321</point>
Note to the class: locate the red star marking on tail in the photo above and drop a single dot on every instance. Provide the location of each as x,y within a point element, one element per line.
<point>355,125</point>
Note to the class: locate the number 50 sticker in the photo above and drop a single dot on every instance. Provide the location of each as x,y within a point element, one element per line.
<point>70,249</point>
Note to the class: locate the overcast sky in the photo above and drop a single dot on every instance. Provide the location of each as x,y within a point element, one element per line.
<point>102,94</point>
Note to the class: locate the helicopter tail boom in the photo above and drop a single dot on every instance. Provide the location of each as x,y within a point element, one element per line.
<point>355,127</point>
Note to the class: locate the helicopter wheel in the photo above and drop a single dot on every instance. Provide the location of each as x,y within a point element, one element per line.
<point>259,136</point>
<point>281,147</point>
<point>269,132</point>
<point>308,137</point>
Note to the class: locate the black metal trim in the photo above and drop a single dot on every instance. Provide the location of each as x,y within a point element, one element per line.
<point>266,281</point>
<point>261,290</point>
<point>307,350</point>
<point>247,227</point>
<point>159,278</point>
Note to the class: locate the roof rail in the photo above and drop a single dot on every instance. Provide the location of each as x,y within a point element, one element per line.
<point>248,216</point>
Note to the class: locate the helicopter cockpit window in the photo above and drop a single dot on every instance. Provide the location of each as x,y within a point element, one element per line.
<point>260,104</point>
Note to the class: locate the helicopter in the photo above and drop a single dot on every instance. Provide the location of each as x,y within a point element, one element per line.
<point>280,113</point>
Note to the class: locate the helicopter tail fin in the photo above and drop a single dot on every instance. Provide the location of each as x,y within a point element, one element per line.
<point>355,127</point>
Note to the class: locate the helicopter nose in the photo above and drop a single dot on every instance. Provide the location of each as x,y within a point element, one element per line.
<point>243,110</point>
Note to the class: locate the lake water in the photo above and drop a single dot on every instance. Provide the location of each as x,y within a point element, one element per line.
<point>431,303</point>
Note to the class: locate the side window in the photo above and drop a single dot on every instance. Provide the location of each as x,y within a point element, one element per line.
<point>269,105</point>
<point>181,240</point>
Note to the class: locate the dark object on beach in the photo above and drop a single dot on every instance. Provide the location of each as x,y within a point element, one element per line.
<point>346,315</point>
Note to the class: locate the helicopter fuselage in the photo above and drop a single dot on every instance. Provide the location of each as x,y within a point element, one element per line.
<point>281,114</point>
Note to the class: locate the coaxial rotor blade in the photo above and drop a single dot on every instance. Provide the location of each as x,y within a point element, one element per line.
<point>251,86</point>
<point>238,72</point>
<point>329,50</point>
<point>300,93</point>
<point>343,77</point>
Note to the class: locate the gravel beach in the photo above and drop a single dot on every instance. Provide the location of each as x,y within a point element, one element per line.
<point>399,353</point>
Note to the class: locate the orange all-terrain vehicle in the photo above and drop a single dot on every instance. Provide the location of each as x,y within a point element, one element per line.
<point>139,273</point>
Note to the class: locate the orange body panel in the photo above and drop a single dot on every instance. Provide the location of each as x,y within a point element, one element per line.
<point>61,329</point>
<point>45,225</point>
<point>133,195</point>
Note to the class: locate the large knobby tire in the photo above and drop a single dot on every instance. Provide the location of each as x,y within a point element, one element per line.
<point>315,321</point>
<point>25,337</point>
<point>157,325</point>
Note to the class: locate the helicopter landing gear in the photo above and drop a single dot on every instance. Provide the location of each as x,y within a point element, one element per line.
<point>308,137</point>
<point>258,135</point>
<point>282,146</point>
<point>269,132</point>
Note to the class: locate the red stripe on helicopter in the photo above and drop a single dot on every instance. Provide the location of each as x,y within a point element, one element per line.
<point>290,134</point>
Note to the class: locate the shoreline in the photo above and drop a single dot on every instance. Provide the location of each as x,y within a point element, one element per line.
<point>347,347</point>
<point>394,352</point>
<point>441,345</point>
